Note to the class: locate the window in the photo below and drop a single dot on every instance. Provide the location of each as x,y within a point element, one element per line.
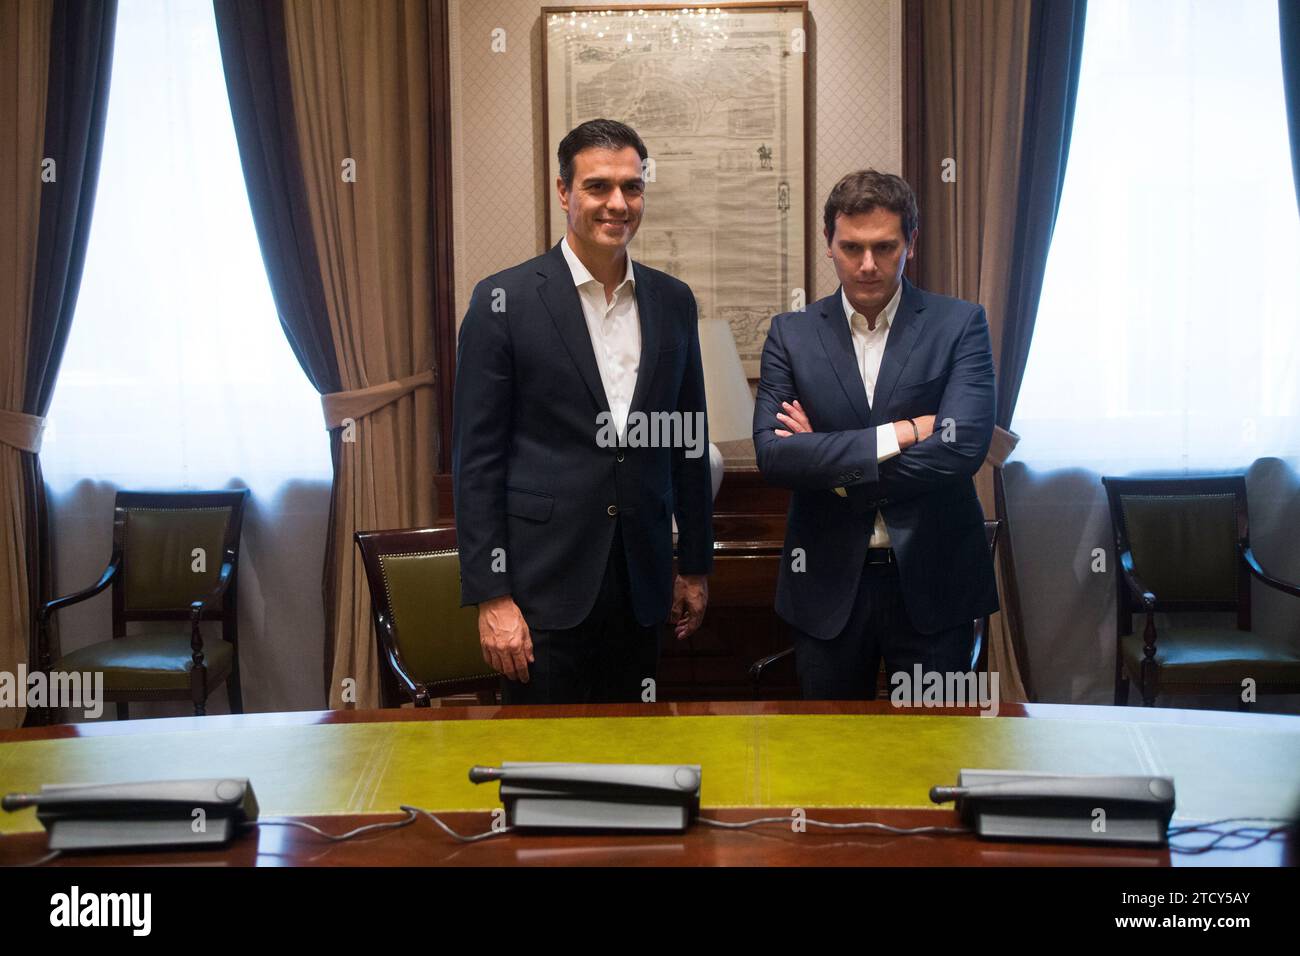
<point>1167,333</point>
<point>177,373</point>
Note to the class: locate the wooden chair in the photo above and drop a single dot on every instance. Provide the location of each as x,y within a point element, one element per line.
<point>427,640</point>
<point>1183,544</point>
<point>175,558</point>
<point>979,650</point>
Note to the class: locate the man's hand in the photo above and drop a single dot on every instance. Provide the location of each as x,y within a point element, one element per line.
<point>690,598</point>
<point>504,637</point>
<point>924,429</point>
<point>795,418</point>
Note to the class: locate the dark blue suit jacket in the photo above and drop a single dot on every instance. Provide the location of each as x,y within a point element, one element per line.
<point>937,361</point>
<point>529,476</point>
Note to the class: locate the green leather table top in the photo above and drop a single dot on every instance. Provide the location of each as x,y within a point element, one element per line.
<point>776,761</point>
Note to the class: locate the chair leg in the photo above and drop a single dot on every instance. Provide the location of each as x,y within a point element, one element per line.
<point>199,689</point>
<point>1148,685</point>
<point>123,711</point>
<point>1121,683</point>
<point>233,692</point>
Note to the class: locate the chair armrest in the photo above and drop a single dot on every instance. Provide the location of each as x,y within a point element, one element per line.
<point>49,607</point>
<point>756,669</point>
<point>1135,585</point>
<point>223,581</point>
<point>1252,563</point>
<point>197,607</point>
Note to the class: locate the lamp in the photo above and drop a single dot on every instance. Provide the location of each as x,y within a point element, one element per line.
<point>730,402</point>
<point>726,392</point>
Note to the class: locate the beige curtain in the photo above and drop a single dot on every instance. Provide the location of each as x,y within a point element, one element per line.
<point>975,57</point>
<point>360,74</point>
<point>1005,647</point>
<point>24,76</point>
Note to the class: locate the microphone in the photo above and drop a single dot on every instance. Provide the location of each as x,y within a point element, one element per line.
<point>945,794</point>
<point>1008,804</point>
<point>647,778</point>
<point>140,813</point>
<point>595,796</point>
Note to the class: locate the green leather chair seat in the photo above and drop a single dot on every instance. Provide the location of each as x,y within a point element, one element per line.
<point>1212,655</point>
<point>149,661</point>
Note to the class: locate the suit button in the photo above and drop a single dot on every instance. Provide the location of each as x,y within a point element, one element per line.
<point>618,457</point>
<point>611,510</point>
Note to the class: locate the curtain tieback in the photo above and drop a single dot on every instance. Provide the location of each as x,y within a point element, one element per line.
<point>21,431</point>
<point>354,403</point>
<point>1003,444</point>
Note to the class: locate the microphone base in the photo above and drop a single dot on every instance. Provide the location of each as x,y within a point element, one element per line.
<point>533,813</point>
<point>71,833</point>
<point>1088,816</point>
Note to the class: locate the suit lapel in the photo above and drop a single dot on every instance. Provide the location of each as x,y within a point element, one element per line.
<point>833,328</point>
<point>647,306</point>
<point>560,297</point>
<point>903,336</point>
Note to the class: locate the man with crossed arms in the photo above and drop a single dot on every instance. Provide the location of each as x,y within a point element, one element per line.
<point>885,552</point>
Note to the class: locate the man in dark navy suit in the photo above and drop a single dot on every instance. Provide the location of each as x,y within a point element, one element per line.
<point>875,406</point>
<point>578,433</point>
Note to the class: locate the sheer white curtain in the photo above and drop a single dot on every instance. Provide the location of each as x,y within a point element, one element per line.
<point>1168,335</point>
<point>177,374</point>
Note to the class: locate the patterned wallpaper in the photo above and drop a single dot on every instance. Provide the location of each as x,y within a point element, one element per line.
<point>498,141</point>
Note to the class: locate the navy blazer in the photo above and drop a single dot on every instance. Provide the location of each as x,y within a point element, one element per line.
<point>529,475</point>
<point>937,361</point>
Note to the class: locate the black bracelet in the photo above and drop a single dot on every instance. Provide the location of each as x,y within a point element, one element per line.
<point>916,435</point>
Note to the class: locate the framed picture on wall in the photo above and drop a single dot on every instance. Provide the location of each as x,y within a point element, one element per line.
<point>718,94</point>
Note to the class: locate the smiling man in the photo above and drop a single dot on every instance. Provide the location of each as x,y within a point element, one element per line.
<point>565,537</point>
<point>875,405</point>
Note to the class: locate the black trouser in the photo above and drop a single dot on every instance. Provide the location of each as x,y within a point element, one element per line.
<point>845,667</point>
<point>604,660</point>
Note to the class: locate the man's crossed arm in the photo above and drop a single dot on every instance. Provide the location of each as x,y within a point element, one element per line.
<point>948,445</point>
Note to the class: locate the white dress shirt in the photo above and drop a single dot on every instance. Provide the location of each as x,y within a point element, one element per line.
<point>615,330</point>
<point>869,348</point>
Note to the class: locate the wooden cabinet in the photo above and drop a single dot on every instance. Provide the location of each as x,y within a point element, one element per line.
<point>740,625</point>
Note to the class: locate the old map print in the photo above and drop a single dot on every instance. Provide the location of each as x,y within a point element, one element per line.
<point>717,95</point>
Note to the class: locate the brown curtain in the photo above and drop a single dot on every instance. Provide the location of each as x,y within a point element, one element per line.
<point>24,61</point>
<point>994,89</point>
<point>360,76</point>
<point>331,102</point>
<point>55,64</point>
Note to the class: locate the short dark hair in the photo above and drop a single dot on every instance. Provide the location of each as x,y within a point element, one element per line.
<point>866,190</point>
<point>596,134</point>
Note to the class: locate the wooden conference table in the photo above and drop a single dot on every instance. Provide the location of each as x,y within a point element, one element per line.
<point>836,761</point>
